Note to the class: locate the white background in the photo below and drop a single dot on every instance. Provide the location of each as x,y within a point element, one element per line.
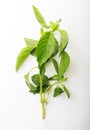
<point>20,110</point>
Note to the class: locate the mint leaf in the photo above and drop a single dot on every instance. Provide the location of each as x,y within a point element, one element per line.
<point>30,42</point>
<point>63,41</point>
<point>64,63</point>
<point>22,56</point>
<point>57,91</point>
<point>55,65</point>
<point>32,88</point>
<point>36,80</point>
<point>39,17</point>
<point>45,48</point>
<point>66,91</point>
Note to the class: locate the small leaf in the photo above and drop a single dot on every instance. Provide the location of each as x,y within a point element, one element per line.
<point>64,63</point>
<point>36,79</point>
<point>66,91</point>
<point>31,87</point>
<point>55,65</point>
<point>45,48</point>
<point>57,91</point>
<point>39,17</point>
<point>22,56</point>
<point>63,41</point>
<point>54,26</point>
<point>54,77</point>
<point>30,42</point>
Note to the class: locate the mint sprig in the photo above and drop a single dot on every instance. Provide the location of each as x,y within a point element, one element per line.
<point>45,49</point>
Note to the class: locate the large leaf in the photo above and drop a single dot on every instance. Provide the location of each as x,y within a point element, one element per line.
<point>64,63</point>
<point>36,80</point>
<point>30,42</point>
<point>22,56</point>
<point>57,91</point>
<point>55,65</point>
<point>66,91</point>
<point>45,47</point>
<point>63,41</point>
<point>39,17</point>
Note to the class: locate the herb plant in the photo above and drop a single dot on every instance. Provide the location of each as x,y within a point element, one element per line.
<point>45,50</point>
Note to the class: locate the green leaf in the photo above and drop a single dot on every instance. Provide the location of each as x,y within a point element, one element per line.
<point>55,65</point>
<point>30,42</point>
<point>64,63</point>
<point>36,80</point>
<point>66,91</point>
<point>39,17</point>
<point>57,91</point>
<point>32,88</point>
<point>63,41</point>
<point>54,26</point>
<point>56,48</point>
<point>44,87</point>
<point>22,56</point>
<point>54,77</point>
<point>45,48</point>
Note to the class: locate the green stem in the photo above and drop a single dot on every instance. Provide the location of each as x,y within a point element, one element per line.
<point>32,69</point>
<point>41,99</point>
<point>49,88</point>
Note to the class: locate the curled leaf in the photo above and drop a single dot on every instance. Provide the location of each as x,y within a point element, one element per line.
<point>32,88</point>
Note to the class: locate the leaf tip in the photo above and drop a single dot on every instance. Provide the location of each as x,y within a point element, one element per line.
<point>16,68</point>
<point>33,7</point>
